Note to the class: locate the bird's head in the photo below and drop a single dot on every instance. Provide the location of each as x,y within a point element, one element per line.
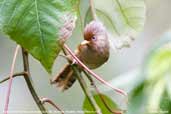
<point>95,33</point>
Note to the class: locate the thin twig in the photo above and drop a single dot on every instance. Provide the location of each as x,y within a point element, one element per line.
<point>14,75</point>
<point>84,86</point>
<point>101,97</point>
<point>47,100</point>
<point>80,16</point>
<point>94,74</point>
<point>10,80</point>
<point>86,90</point>
<point>93,10</point>
<point>27,78</point>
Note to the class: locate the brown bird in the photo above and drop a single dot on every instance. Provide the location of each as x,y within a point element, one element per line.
<point>93,52</point>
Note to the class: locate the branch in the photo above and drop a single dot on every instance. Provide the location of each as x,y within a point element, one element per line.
<point>84,86</point>
<point>14,75</point>
<point>47,100</point>
<point>101,97</point>
<point>93,10</point>
<point>81,19</point>
<point>27,78</point>
<point>10,80</point>
<point>86,90</point>
<point>94,74</point>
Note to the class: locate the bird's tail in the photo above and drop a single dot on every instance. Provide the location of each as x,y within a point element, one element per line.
<point>65,78</point>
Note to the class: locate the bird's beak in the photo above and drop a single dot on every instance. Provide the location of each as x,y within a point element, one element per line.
<point>85,42</point>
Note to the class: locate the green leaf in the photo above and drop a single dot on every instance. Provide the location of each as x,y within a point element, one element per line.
<point>154,94</point>
<point>165,103</point>
<point>123,18</point>
<point>160,62</point>
<point>35,25</point>
<point>137,100</point>
<point>88,109</point>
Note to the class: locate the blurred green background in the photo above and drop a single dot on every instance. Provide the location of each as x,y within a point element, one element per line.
<point>124,63</point>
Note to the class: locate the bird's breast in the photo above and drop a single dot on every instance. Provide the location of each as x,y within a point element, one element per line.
<point>92,56</point>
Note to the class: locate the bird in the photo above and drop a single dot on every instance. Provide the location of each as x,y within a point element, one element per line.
<point>93,51</point>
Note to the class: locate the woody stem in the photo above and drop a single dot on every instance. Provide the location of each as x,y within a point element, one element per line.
<point>94,74</point>
<point>27,78</point>
<point>84,86</point>
<point>101,97</point>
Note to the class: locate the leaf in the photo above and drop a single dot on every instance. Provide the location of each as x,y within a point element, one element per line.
<point>123,19</point>
<point>154,96</point>
<point>160,62</point>
<point>165,103</point>
<point>87,107</point>
<point>137,100</point>
<point>36,24</point>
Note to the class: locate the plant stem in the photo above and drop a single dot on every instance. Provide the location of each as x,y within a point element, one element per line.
<point>94,74</point>
<point>83,85</point>
<point>80,17</point>
<point>93,10</point>
<point>86,90</point>
<point>27,78</point>
<point>101,97</point>
<point>47,100</point>
<point>10,81</point>
<point>14,75</point>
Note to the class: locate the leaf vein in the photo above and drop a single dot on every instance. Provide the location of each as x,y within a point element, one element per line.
<point>113,25</point>
<point>23,15</point>
<point>2,5</point>
<point>39,27</point>
<point>12,15</point>
<point>133,7</point>
<point>123,14</point>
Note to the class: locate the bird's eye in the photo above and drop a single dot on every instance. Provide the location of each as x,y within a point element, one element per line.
<point>93,38</point>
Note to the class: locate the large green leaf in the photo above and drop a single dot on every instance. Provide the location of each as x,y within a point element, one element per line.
<point>123,19</point>
<point>88,109</point>
<point>35,25</point>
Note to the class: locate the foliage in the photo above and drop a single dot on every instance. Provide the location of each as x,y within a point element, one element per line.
<point>153,94</point>
<point>88,108</point>
<point>35,25</point>
<point>123,19</point>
